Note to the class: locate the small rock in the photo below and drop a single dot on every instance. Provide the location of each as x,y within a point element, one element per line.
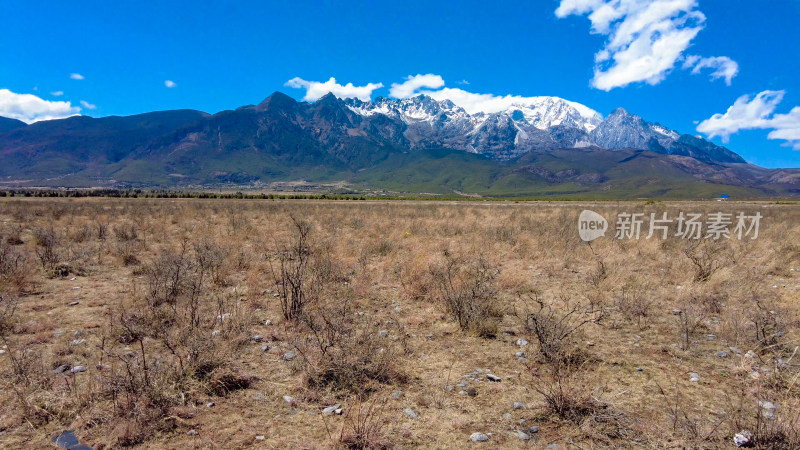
<point>711,337</point>
<point>463,384</point>
<point>76,342</point>
<point>267,323</point>
<point>639,369</point>
<point>750,354</point>
<point>693,377</point>
<point>288,356</point>
<point>743,438</point>
<point>258,338</point>
<point>397,394</point>
<point>472,392</point>
<point>449,387</point>
<point>78,369</point>
<point>522,342</point>
<point>261,437</point>
<point>522,360</point>
<point>522,435</point>
<point>519,405</point>
<point>479,437</point>
<point>735,350</point>
<point>553,447</point>
<point>767,409</point>
<point>331,409</point>
<point>411,413</point>
<point>533,430</point>
<point>289,400</point>
<point>590,343</point>
<point>58,334</point>
<point>722,354</point>
<point>265,348</point>
<point>494,378</point>
<point>520,354</point>
<point>383,333</point>
<point>192,432</point>
<point>74,303</point>
<point>61,369</point>
<point>507,416</point>
<point>215,333</point>
<point>677,312</point>
<point>210,405</point>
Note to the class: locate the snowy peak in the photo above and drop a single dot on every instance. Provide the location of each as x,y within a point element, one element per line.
<point>507,127</point>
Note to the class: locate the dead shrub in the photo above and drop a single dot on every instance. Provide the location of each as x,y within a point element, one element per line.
<point>14,268</point>
<point>346,354</point>
<point>363,428</point>
<point>554,329</point>
<point>707,256</point>
<point>468,291</point>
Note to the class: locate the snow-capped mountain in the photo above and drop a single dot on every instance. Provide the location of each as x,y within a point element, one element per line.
<point>532,124</point>
<point>517,129</point>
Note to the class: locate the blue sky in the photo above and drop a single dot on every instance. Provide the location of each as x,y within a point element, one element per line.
<point>221,55</point>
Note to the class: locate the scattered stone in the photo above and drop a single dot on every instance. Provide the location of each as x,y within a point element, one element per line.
<point>411,413</point>
<point>261,437</point>
<point>522,435</point>
<point>449,387</point>
<point>519,405</point>
<point>639,369</point>
<point>755,374</point>
<point>522,360</point>
<point>750,354</point>
<point>533,430</point>
<point>677,312</point>
<point>78,369</point>
<point>61,369</point>
<point>383,333</point>
<point>479,437</point>
<point>722,354</point>
<point>472,392</point>
<point>267,323</point>
<point>74,303</point>
<point>215,333</point>
<point>258,338</point>
<point>129,355</point>
<point>58,334</point>
<point>265,348</point>
<point>693,377</point>
<point>767,409</point>
<point>290,355</point>
<point>192,432</point>
<point>743,438</point>
<point>590,343</point>
<point>507,416</point>
<point>463,384</point>
<point>289,400</point>
<point>494,378</point>
<point>711,337</point>
<point>520,354</point>
<point>397,394</point>
<point>332,410</point>
<point>210,405</point>
<point>77,342</point>
<point>735,350</point>
<point>429,336</point>
<point>553,447</point>
<point>522,342</point>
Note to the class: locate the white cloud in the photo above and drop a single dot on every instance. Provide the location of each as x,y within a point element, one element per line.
<point>413,83</point>
<point>645,37</point>
<point>317,89</point>
<point>88,105</point>
<point>57,93</point>
<point>30,108</point>
<point>170,83</point>
<point>76,76</point>
<point>723,67</point>
<point>477,103</point>
<point>748,113</point>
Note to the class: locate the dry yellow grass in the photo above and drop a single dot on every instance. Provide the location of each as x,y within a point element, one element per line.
<point>374,267</point>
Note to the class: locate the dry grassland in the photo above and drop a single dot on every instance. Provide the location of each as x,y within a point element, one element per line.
<point>186,315</point>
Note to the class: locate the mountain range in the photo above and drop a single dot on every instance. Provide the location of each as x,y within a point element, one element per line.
<point>539,146</point>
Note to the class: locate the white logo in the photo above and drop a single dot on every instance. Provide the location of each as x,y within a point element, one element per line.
<point>591,225</point>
